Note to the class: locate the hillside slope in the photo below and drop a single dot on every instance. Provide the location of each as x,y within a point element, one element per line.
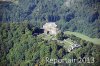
<point>74,15</point>
<point>84,37</point>
<point>18,47</point>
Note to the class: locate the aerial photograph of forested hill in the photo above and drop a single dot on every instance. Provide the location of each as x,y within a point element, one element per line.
<point>49,32</point>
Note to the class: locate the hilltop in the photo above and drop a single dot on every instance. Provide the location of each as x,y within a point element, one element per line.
<point>19,47</point>
<point>81,16</point>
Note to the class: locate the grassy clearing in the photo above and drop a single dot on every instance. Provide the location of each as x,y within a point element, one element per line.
<point>84,37</point>
<point>67,43</point>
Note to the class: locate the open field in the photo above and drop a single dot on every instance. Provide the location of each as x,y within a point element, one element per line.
<point>84,37</point>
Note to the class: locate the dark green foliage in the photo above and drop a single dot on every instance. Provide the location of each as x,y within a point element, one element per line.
<point>61,36</point>
<point>19,47</point>
<point>80,16</point>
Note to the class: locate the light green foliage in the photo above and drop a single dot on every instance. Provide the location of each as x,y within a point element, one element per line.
<point>84,37</point>
<point>19,47</point>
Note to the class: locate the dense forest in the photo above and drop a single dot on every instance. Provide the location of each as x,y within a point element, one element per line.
<point>21,46</point>
<point>18,47</point>
<point>72,15</point>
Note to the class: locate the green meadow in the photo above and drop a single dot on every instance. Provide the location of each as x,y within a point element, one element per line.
<point>84,37</point>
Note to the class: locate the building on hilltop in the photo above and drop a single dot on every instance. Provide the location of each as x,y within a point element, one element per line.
<point>50,28</point>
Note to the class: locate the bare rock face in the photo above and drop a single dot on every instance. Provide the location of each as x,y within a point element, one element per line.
<point>50,28</point>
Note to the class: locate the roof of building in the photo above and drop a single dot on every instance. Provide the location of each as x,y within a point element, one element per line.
<point>50,24</point>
